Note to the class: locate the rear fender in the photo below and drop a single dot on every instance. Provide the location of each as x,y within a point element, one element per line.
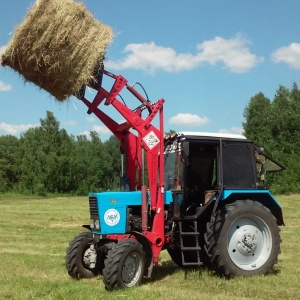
<point>264,197</point>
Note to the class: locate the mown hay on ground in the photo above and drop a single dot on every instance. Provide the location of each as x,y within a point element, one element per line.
<point>58,47</point>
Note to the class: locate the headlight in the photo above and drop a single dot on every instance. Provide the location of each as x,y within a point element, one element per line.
<point>92,224</point>
<point>95,224</point>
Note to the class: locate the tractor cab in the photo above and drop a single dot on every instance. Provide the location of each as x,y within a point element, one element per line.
<point>201,166</point>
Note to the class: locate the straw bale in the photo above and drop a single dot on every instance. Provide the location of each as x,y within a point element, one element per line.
<point>58,47</point>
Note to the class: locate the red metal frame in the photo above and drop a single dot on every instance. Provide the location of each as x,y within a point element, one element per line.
<point>148,138</point>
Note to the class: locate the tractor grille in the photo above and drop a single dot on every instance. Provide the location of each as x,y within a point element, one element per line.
<point>93,207</point>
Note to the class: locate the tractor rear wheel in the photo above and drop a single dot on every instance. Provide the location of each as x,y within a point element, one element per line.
<point>81,256</point>
<point>124,265</point>
<point>243,239</point>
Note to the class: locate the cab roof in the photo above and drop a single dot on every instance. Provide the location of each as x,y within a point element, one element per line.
<point>212,135</point>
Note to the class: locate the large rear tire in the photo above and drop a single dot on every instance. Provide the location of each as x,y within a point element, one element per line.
<point>79,257</point>
<point>243,239</point>
<point>124,265</point>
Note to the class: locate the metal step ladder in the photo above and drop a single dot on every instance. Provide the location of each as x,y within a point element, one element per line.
<point>186,250</point>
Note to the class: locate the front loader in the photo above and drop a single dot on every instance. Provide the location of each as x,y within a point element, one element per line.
<point>200,196</point>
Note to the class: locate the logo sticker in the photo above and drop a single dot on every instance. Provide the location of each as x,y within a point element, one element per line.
<point>111,217</point>
<point>151,140</point>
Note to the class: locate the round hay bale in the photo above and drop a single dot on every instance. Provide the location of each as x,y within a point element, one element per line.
<point>58,47</point>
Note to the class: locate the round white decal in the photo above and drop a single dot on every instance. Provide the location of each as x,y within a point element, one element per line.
<point>111,217</point>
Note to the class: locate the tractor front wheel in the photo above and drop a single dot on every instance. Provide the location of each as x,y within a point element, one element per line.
<point>124,265</point>
<point>243,239</point>
<point>81,258</point>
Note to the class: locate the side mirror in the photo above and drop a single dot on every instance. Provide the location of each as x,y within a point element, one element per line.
<point>185,149</point>
<point>260,150</point>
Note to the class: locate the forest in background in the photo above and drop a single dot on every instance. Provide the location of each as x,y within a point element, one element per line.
<point>275,125</point>
<point>47,160</point>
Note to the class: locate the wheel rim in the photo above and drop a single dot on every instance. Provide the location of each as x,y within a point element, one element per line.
<point>249,242</point>
<point>132,269</point>
<point>87,255</point>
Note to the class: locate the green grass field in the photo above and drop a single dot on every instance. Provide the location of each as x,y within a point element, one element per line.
<point>34,235</point>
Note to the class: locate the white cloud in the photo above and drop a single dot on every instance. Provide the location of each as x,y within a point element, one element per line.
<point>69,123</point>
<point>15,129</point>
<point>188,120</point>
<point>2,49</point>
<point>101,129</point>
<point>4,87</point>
<point>289,55</point>
<point>86,133</point>
<point>232,53</point>
<point>90,119</point>
<point>234,130</point>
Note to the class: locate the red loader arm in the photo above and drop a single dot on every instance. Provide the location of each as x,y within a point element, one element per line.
<point>148,138</point>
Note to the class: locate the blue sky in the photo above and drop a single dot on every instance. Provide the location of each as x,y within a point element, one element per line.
<point>205,58</point>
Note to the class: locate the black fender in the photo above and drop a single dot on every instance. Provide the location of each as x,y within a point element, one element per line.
<point>264,197</point>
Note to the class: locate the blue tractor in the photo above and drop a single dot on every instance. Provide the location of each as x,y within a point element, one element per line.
<point>202,197</point>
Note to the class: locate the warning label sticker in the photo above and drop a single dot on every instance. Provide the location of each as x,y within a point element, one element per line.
<point>151,140</point>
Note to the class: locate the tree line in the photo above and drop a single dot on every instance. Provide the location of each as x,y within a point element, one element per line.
<point>45,159</point>
<point>276,126</point>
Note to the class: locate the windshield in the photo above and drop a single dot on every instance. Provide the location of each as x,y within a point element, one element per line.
<point>173,167</point>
